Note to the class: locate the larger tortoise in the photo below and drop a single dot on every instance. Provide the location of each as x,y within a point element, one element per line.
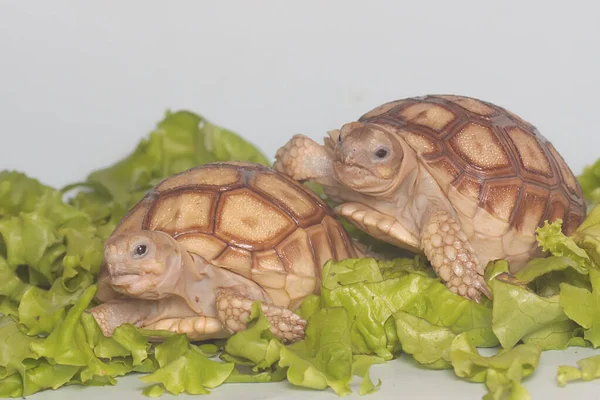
<point>195,253</point>
<point>462,180</point>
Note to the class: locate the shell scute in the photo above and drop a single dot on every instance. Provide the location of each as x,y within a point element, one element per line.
<point>299,204</point>
<point>205,245</point>
<point>249,220</point>
<point>237,260</point>
<point>182,211</point>
<point>500,197</point>
<point>473,105</point>
<point>217,177</point>
<point>531,210</point>
<point>431,116</point>
<point>479,147</point>
<point>531,155</point>
<point>384,108</point>
<point>296,254</point>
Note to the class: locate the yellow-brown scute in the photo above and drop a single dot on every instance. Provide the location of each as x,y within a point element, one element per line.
<point>250,220</point>
<point>178,212</point>
<point>245,219</point>
<point>473,105</point>
<point>491,164</point>
<point>430,116</point>
<point>479,147</point>
<point>210,176</point>
<point>500,197</point>
<point>531,156</point>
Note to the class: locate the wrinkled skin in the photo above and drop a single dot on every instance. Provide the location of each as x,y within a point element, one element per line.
<point>162,286</point>
<point>387,193</point>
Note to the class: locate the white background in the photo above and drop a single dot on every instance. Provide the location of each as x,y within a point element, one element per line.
<point>82,82</point>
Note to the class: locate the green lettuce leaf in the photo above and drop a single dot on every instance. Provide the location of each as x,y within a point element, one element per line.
<point>589,369</point>
<point>583,306</point>
<point>589,180</point>
<point>502,373</point>
<point>361,367</point>
<point>14,352</point>
<point>373,291</point>
<point>324,358</point>
<point>429,344</point>
<point>185,369</point>
<point>518,311</point>
<point>551,239</point>
<point>587,235</point>
<point>557,336</point>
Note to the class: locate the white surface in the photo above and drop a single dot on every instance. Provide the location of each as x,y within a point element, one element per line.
<point>82,82</point>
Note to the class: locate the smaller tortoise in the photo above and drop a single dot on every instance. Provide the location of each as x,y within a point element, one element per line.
<point>461,180</point>
<point>195,253</point>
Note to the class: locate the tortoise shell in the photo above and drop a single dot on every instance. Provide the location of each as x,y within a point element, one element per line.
<point>490,163</point>
<point>249,219</point>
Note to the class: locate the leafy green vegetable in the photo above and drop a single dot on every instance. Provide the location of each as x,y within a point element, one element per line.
<point>583,306</point>
<point>324,358</point>
<point>184,368</point>
<point>372,292</point>
<point>429,344</point>
<point>587,235</point>
<point>553,240</point>
<point>590,182</point>
<point>518,311</point>
<point>589,369</point>
<point>502,373</point>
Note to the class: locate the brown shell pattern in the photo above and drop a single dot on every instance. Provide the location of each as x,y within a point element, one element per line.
<point>489,154</point>
<point>249,219</point>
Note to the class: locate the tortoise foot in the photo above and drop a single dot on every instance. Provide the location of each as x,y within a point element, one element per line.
<point>378,225</point>
<point>233,311</point>
<point>303,159</point>
<point>452,257</point>
<point>112,314</point>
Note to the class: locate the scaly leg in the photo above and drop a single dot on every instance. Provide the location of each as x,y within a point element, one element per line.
<point>233,310</point>
<point>147,314</point>
<point>118,312</point>
<point>196,328</point>
<point>304,159</point>
<point>378,225</point>
<point>452,256</point>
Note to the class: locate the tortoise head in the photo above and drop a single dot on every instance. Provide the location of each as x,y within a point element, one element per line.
<point>143,264</point>
<point>367,158</point>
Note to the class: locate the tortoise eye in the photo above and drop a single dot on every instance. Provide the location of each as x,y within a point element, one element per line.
<point>340,138</point>
<point>381,153</point>
<point>140,250</point>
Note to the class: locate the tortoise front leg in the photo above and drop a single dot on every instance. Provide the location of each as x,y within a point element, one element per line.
<point>112,314</point>
<point>233,311</point>
<point>154,315</point>
<point>378,225</point>
<point>195,328</point>
<point>452,257</point>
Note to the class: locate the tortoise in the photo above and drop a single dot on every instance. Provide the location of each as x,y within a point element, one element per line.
<point>203,245</point>
<point>458,179</point>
